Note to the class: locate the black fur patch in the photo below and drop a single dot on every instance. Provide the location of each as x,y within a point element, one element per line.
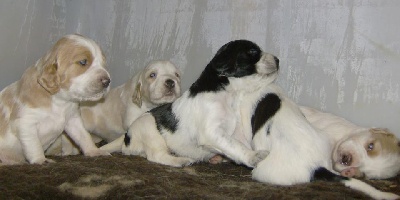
<point>208,81</point>
<point>234,59</point>
<point>265,109</point>
<point>165,118</point>
<point>325,175</point>
<point>127,139</point>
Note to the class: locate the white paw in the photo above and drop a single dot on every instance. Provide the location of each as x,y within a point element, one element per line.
<point>97,152</point>
<point>178,162</point>
<point>41,161</point>
<point>187,162</point>
<point>257,157</point>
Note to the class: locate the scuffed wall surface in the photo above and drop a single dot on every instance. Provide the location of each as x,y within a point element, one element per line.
<point>340,56</point>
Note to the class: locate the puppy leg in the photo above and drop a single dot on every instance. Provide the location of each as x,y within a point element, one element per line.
<point>114,146</point>
<point>148,142</point>
<point>31,145</point>
<point>62,146</point>
<point>157,151</point>
<point>82,138</point>
<point>68,146</point>
<point>219,138</point>
<point>11,152</point>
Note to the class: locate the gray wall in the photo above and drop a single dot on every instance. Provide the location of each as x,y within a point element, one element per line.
<point>340,56</point>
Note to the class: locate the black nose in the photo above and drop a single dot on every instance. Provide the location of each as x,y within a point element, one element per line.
<point>169,83</point>
<point>346,159</point>
<point>276,60</point>
<point>105,81</point>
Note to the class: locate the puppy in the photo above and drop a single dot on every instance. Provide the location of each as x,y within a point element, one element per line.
<point>297,152</point>
<point>110,117</point>
<point>358,151</point>
<point>200,123</point>
<point>37,108</point>
<point>158,83</point>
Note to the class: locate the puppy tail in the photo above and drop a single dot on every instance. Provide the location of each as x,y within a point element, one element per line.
<point>326,175</point>
<point>114,146</point>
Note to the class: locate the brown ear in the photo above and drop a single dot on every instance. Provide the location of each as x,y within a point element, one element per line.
<point>383,131</point>
<point>137,95</point>
<point>49,78</point>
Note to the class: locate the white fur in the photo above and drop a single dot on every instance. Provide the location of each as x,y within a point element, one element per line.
<point>110,117</point>
<point>349,139</point>
<point>28,130</point>
<point>206,124</point>
<point>296,148</point>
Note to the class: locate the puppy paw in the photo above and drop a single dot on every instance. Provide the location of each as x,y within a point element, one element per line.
<point>97,152</point>
<point>217,159</point>
<point>258,156</point>
<point>41,161</point>
<point>182,162</point>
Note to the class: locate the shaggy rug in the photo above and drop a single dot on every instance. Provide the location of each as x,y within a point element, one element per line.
<point>130,177</point>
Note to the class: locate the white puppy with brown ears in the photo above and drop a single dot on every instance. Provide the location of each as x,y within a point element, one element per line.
<point>109,118</point>
<point>358,151</point>
<point>45,101</point>
<point>298,153</point>
<point>158,83</point>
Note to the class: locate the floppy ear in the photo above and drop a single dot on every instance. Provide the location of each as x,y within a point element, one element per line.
<point>383,131</point>
<point>137,94</point>
<point>49,78</point>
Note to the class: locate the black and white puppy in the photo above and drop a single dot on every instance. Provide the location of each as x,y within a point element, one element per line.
<point>200,123</point>
<point>297,152</point>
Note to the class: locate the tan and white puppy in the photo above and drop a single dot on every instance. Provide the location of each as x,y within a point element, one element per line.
<point>158,83</point>
<point>109,118</point>
<point>45,101</point>
<point>358,151</point>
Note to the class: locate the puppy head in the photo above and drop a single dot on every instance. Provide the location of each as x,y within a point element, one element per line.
<point>373,153</point>
<point>74,70</point>
<point>158,83</point>
<point>241,58</point>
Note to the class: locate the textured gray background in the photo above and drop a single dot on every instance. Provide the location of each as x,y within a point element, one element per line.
<point>337,55</point>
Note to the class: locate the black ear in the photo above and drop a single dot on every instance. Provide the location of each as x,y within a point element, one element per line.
<point>223,61</point>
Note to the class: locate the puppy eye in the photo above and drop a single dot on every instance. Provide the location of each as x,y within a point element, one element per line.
<point>83,62</point>
<point>177,75</point>
<point>253,52</point>
<point>153,75</point>
<point>370,146</point>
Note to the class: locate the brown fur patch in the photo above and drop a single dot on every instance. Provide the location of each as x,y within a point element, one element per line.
<point>30,92</point>
<point>69,66</point>
<point>384,142</point>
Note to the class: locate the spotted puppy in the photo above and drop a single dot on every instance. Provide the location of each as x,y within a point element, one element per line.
<point>298,152</point>
<point>200,123</point>
<point>358,151</point>
<point>37,108</point>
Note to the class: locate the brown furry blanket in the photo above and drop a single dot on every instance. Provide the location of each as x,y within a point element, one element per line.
<point>129,177</point>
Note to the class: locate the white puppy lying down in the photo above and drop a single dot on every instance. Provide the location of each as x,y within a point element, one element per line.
<point>37,108</point>
<point>358,151</point>
<point>158,83</point>
<point>298,153</point>
<point>200,123</point>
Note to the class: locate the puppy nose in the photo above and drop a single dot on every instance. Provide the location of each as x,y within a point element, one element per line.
<point>346,159</point>
<point>276,60</point>
<point>105,81</point>
<point>169,83</point>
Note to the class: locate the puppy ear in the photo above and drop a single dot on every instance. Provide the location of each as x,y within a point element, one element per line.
<point>49,78</point>
<point>137,94</point>
<point>383,131</point>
